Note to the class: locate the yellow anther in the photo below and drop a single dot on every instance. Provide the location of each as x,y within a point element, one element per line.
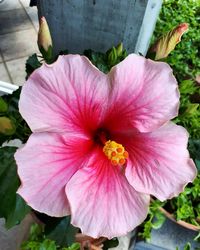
<point>122,161</point>
<point>125,154</point>
<point>114,162</point>
<point>115,152</point>
<point>119,150</point>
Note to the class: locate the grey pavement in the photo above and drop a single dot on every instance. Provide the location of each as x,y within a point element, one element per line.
<point>18,38</point>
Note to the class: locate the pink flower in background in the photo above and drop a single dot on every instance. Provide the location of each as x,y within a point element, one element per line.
<point>101,144</point>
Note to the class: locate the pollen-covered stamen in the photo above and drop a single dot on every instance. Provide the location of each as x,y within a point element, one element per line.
<point>115,152</point>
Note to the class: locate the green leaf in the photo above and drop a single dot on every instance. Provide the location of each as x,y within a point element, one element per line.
<point>18,212</point>
<point>36,232</point>
<point>154,220</point>
<point>185,209</point>
<point>146,229</point>
<point>187,87</point>
<point>189,112</point>
<point>32,63</point>
<point>187,246</point>
<point>3,105</point>
<point>197,237</point>
<point>12,207</point>
<point>105,62</point>
<point>37,240</point>
<point>98,59</point>
<point>194,149</point>
<point>158,221</point>
<point>48,245</point>
<point>34,245</point>
<point>61,231</point>
<point>63,52</point>
<point>110,243</point>
<point>186,206</point>
<point>191,109</point>
<point>74,246</point>
<point>124,55</point>
<point>197,162</point>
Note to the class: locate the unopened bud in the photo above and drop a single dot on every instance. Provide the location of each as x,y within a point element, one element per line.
<point>44,36</point>
<point>168,42</point>
<point>6,126</point>
<point>119,49</point>
<point>112,56</point>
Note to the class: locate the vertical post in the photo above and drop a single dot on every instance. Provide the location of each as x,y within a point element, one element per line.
<point>148,26</point>
<point>96,24</point>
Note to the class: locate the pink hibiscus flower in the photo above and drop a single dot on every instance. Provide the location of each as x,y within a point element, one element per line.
<point>101,144</point>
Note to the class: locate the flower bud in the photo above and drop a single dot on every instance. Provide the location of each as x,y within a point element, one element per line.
<point>168,42</point>
<point>6,126</point>
<point>119,49</point>
<point>44,36</point>
<point>112,56</point>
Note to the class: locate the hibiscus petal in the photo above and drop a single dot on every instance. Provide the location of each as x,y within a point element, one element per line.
<point>102,202</point>
<point>159,162</point>
<point>45,165</point>
<point>144,95</point>
<point>64,96</point>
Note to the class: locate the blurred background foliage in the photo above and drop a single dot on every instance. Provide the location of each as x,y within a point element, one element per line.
<point>185,58</point>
